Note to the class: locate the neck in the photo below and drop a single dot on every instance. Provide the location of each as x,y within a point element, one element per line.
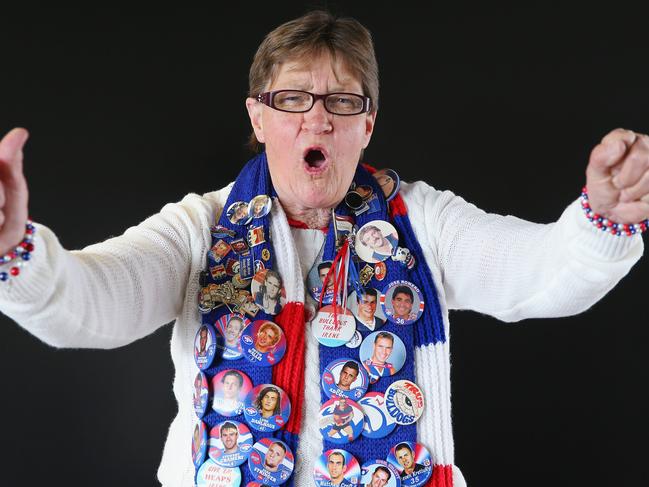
<point>311,217</point>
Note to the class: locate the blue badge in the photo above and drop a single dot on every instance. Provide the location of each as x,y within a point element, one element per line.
<point>237,213</point>
<point>230,390</point>
<point>380,472</point>
<point>199,443</point>
<point>382,354</point>
<point>201,394</point>
<point>345,377</point>
<point>231,327</point>
<point>402,302</point>
<point>260,206</point>
<point>267,408</point>
<point>341,420</point>
<point>230,443</point>
<point>213,475</point>
<point>337,467</point>
<point>263,343</point>
<point>246,266</point>
<point>315,279</point>
<point>205,346</point>
<point>413,463</point>
<point>271,461</point>
<point>378,423</point>
<point>404,401</point>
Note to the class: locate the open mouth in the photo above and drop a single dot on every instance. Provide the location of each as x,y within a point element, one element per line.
<point>315,158</point>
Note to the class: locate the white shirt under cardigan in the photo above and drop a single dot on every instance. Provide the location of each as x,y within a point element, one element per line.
<point>113,293</point>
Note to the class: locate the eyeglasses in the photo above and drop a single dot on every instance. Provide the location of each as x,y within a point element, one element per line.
<point>296,101</point>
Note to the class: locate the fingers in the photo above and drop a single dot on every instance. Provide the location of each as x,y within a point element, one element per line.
<point>603,160</point>
<point>11,147</point>
<point>622,135</point>
<point>633,178</point>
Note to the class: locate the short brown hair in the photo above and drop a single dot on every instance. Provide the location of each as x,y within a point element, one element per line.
<point>310,35</point>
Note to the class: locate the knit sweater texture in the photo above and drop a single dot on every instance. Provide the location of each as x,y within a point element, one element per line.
<point>115,292</point>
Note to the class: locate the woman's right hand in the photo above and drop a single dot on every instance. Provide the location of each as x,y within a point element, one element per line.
<point>13,190</point>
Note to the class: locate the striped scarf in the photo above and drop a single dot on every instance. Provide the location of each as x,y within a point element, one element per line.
<point>427,363</point>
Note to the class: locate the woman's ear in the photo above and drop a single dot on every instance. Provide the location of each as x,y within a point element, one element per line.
<point>254,112</point>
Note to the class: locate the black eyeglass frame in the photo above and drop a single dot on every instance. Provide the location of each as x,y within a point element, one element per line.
<point>268,98</point>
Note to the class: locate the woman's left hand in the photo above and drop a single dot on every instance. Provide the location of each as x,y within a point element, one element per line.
<point>617,177</point>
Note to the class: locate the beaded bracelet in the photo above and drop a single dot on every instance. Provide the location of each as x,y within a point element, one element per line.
<point>19,256</point>
<point>607,225</point>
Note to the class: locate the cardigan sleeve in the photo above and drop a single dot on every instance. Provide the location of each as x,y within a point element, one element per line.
<point>115,292</point>
<point>513,269</point>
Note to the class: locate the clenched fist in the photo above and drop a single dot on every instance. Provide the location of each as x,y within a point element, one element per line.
<point>13,190</point>
<point>617,177</point>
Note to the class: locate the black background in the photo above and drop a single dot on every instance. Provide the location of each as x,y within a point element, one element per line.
<point>128,111</point>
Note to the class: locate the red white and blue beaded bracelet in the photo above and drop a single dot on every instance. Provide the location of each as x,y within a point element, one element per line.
<point>608,225</point>
<point>19,256</point>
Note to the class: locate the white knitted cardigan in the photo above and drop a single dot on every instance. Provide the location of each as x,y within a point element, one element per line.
<point>115,292</point>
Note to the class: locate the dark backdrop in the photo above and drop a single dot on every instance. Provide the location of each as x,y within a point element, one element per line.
<point>129,111</point>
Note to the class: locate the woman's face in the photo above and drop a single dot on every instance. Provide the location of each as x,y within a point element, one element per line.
<point>289,137</point>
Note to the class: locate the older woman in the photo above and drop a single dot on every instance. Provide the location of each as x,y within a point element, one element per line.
<point>313,105</point>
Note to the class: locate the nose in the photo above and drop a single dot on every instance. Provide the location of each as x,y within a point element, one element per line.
<point>318,120</point>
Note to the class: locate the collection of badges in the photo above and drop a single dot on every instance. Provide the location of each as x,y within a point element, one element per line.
<point>245,286</point>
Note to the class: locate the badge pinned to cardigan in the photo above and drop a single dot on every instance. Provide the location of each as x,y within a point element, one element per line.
<point>260,206</point>
<point>206,343</point>
<point>327,331</point>
<point>231,387</point>
<point>199,443</point>
<point>230,443</point>
<point>382,354</point>
<point>402,302</point>
<point>378,423</point>
<point>341,420</point>
<point>271,461</point>
<point>376,241</point>
<point>345,377</point>
<point>389,182</point>
<point>238,214</point>
<point>413,463</point>
<point>334,464</point>
<point>379,472</point>
<point>201,394</point>
<point>267,408</point>
<point>404,401</point>
<point>268,290</point>
<point>263,343</point>
<point>212,474</point>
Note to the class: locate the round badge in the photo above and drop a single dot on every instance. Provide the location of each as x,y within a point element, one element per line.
<point>389,181</point>
<point>201,394</point>
<point>378,423</point>
<point>265,254</point>
<point>268,291</point>
<point>413,463</point>
<point>382,354</point>
<point>271,461</point>
<point>205,345</point>
<point>380,271</point>
<point>333,331</point>
<point>379,473</point>
<point>366,309</point>
<point>230,443</point>
<point>402,302</point>
<point>355,341</point>
<point>354,200</point>
<point>237,213</point>
<point>341,420</point>
<point>230,390</point>
<point>404,401</point>
<point>199,443</point>
<point>213,475</point>
<point>345,377</point>
<point>376,241</point>
<point>260,206</point>
<point>263,343</point>
<point>315,282</point>
<point>231,327</point>
<point>267,408</point>
<point>336,467</point>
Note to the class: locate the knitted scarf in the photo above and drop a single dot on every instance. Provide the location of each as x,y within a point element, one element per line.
<point>427,363</point>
